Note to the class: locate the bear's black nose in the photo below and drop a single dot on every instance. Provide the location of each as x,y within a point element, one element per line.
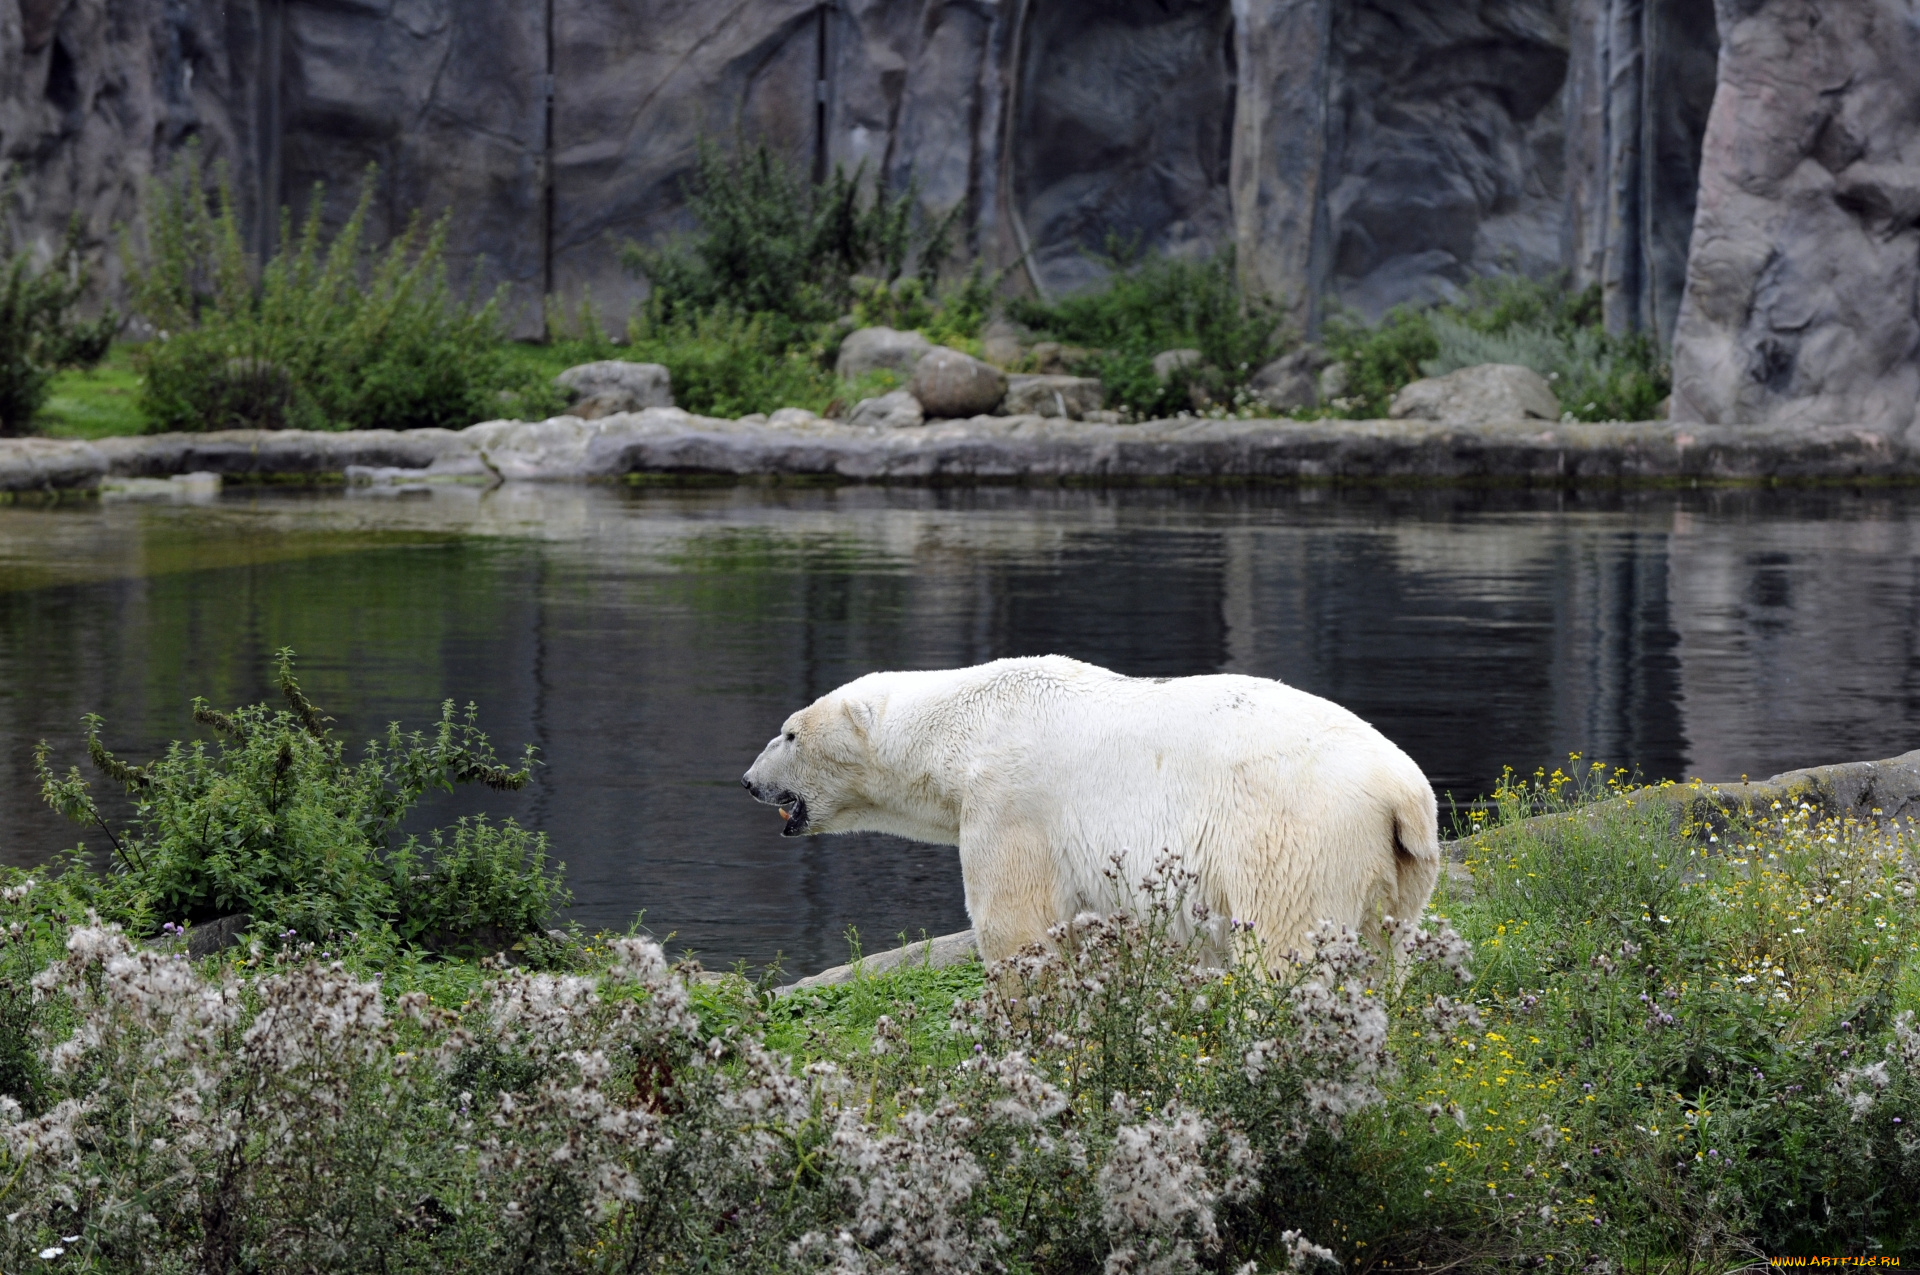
<point>746,783</point>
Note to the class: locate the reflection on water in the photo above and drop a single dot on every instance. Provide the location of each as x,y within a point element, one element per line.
<point>648,643</point>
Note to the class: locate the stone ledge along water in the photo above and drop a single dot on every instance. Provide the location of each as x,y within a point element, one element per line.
<point>669,443</point>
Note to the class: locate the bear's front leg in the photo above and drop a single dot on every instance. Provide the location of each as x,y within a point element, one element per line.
<point>1010,884</point>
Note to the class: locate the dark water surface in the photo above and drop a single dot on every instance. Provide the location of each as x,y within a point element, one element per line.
<point>649,642</point>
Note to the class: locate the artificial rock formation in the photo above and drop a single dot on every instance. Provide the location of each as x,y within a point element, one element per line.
<point>1354,152</point>
<point>1803,291</point>
<point>1369,151</point>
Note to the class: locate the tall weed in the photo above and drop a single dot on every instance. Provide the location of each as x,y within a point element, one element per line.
<point>329,335</point>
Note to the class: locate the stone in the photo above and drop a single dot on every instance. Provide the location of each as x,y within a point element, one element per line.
<point>1167,362</point>
<point>49,464</point>
<point>1802,300</point>
<point>793,418</point>
<point>1002,351</point>
<point>880,350</point>
<point>217,935</point>
<point>269,454</point>
<point>951,384</point>
<point>613,385</point>
<point>1072,397</point>
<point>898,410</point>
<point>194,487</point>
<point>1050,358</point>
<point>997,449</point>
<point>1487,394</point>
<point>1333,382</point>
<point>1002,344</point>
<point>1291,381</point>
<point>937,953</point>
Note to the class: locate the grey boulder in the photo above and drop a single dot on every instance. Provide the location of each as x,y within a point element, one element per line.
<point>1072,397</point>
<point>898,410</point>
<point>1486,394</point>
<point>1290,381</point>
<point>610,386</point>
<point>880,350</point>
<point>1050,358</point>
<point>1167,362</point>
<point>951,384</point>
<point>1333,382</point>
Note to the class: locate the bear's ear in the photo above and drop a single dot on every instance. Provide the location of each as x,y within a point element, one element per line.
<point>863,715</point>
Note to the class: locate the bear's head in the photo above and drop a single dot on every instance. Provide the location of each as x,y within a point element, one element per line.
<point>817,768</point>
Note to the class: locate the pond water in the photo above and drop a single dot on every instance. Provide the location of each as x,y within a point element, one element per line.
<point>648,642</point>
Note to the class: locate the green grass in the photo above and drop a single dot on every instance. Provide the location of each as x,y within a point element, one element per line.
<point>105,402</point>
<point>100,403</point>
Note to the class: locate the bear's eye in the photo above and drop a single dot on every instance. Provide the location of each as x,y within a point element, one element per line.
<point>789,737</point>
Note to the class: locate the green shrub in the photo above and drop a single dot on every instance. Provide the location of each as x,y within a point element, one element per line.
<point>276,821</point>
<point>330,336</point>
<point>1154,303</point>
<point>771,242</point>
<point>727,363</point>
<point>1380,360</point>
<point>1539,324</point>
<point>39,334</point>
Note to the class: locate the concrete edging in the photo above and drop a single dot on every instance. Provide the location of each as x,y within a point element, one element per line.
<point>672,444</point>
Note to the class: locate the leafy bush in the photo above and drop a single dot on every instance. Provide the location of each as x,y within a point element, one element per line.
<point>728,363</point>
<point>774,243</point>
<point>39,334</point>
<point>1157,303</point>
<point>1379,360</point>
<point>330,336</point>
<point>1539,324</point>
<point>275,821</point>
<point>746,313</point>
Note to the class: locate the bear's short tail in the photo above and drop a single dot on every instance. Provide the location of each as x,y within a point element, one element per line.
<point>1416,852</point>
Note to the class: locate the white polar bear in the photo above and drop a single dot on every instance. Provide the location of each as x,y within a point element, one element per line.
<point>1290,809</point>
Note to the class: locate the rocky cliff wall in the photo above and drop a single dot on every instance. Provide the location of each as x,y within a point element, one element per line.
<point>1366,152</point>
<point>1803,291</point>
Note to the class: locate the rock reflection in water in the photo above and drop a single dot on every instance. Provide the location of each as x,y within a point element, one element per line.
<point>649,642</point>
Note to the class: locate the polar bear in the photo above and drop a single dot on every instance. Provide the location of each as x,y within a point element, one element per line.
<point>1290,809</point>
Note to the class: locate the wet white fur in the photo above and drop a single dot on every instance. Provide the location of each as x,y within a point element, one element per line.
<point>1289,808</point>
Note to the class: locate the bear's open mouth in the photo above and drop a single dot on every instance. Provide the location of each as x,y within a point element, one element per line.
<point>796,817</point>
